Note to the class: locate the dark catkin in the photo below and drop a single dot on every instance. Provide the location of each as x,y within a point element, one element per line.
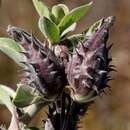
<point>44,70</point>
<point>88,68</point>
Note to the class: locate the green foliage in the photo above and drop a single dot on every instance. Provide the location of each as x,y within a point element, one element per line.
<point>76,38</point>
<point>59,11</point>
<point>92,29</point>
<point>49,29</point>
<point>41,8</point>
<point>11,48</point>
<point>84,99</point>
<point>73,16</point>
<point>6,94</point>
<point>69,29</point>
<point>25,96</point>
<point>59,22</point>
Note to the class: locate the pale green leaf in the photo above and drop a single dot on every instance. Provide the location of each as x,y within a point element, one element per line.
<point>73,16</point>
<point>94,28</point>
<point>49,29</point>
<point>75,39</point>
<point>41,8</point>
<point>69,29</point>
<point>6,94</point>
<point>59,11</point>
<point>84,99</point>
<point>25,96</point>
<point>53,18</point>
<point>11,48</point>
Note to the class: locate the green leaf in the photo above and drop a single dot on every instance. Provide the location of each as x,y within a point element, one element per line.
<point>6,94</point>
<point>5,97</point>
<point>25,96</point>
<point>11,48</point>
<point>69,29</point>
<point>60,7</point>
<point>84,99</point>
<point>73,16</point>
<point>53,18</point>
<point>41,8</point>
<point>75,39</point>
<point>59,11</point>
<point>94,28</point>
<point>49,29</point>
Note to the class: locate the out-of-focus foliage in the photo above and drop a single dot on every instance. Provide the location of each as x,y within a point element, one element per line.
<point>112,112</point>
<point>5,97</point>
<point>12,49</point>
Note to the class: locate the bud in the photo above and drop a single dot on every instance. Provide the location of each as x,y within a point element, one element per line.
<point>88,69</point>
<point>62,52</point>
<point>44,71</point>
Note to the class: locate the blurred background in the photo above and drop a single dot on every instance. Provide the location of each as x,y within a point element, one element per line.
<point>110,111</point>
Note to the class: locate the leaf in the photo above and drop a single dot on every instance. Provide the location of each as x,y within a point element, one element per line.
<point>41,8</point>
<point>6,94</point>
<point>73,16</point>
<point>75,39</point>
<point>60,7</point>
<point>59,11</point>
<point>25,96</point>
<point>69,29</point>
<point>11,48</point>
<point>49,29</point>
<point>84,99</point>
<point>53,18</point>
<point>94,28</point>
<point>5,97</point>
